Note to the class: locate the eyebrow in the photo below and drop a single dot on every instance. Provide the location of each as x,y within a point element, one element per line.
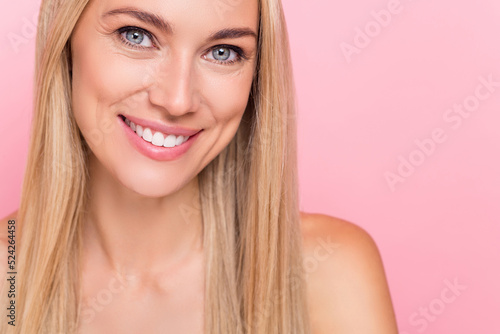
<point>163,25</point>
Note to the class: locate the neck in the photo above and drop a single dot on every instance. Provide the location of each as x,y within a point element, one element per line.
<point>138,235</point>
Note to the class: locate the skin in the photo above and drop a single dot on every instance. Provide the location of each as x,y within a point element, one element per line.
<point>142,255</point>
<point>136,230</point>
<point>347,291</point>
<point>346,283</point>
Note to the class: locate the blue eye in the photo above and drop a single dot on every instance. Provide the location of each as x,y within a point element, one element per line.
<point>225,54</point>
<point>136,37</point>
<point>221,53</point>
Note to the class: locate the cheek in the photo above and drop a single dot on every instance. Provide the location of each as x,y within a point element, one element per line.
<point>228,96</point>
<point>100,80</point>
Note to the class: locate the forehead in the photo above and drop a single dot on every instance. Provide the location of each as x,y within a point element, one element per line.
<point>186,15</point>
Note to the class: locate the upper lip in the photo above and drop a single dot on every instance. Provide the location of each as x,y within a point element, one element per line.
<point>161,127</point>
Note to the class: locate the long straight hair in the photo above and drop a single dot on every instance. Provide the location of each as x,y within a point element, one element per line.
<point>254,277</point>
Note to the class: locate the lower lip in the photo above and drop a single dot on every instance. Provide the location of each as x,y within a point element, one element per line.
<point>158,153</point>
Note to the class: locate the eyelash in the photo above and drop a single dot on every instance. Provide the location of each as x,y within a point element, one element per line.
<point>239,52</point>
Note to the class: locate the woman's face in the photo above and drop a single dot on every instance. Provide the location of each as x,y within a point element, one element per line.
<point>148,74</point>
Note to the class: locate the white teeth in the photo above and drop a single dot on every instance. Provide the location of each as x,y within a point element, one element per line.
<point>170,141</point>
<point>147,135</point>
<point>139,130</point>
<point>157,139</point>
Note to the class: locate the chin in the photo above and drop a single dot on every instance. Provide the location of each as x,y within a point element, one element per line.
<point>153,187</point>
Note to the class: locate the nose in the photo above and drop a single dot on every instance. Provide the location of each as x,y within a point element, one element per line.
<point>173,86</point>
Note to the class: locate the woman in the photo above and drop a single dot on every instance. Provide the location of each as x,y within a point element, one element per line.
<point>160,194</point>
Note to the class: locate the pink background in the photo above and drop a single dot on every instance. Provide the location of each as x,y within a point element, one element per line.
<point>359,115</point>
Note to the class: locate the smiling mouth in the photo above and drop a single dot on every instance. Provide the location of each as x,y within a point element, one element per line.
<point>156,138</point>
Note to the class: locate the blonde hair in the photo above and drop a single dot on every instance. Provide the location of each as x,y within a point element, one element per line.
<point>248,195</point>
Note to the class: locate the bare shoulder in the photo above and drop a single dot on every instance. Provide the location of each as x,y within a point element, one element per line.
<point>346,282</point>
<point>4,242</point>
